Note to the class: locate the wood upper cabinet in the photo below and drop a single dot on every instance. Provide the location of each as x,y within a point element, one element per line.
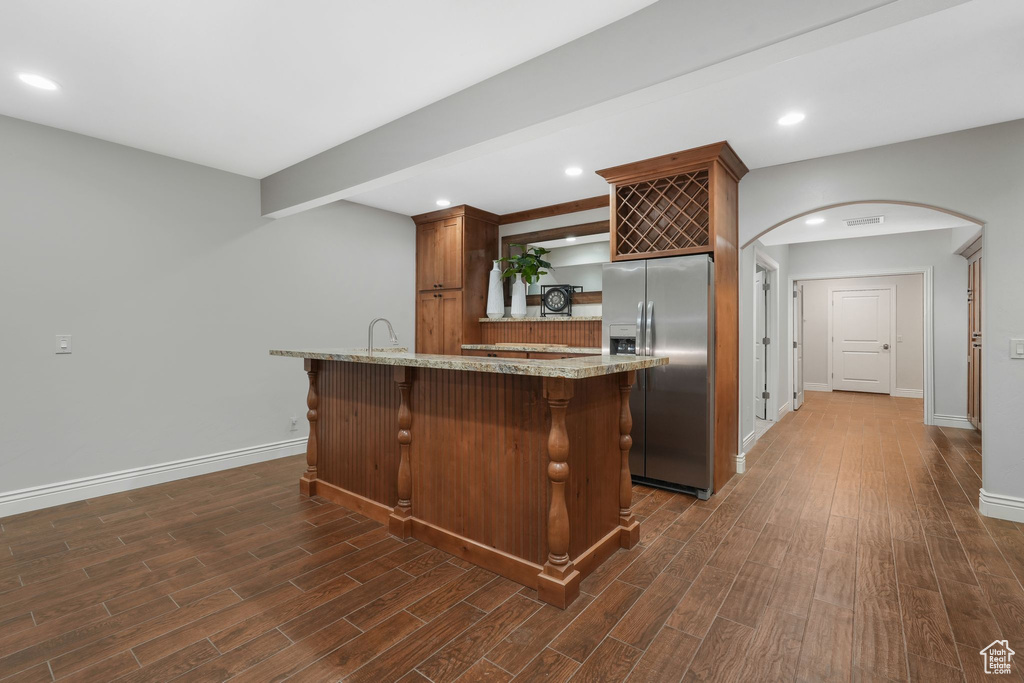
<point>439,254</point>
<point>454,251</point>
<point>674,204</point>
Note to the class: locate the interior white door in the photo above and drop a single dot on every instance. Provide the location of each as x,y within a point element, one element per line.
<point>760,332</point>
<point>861,343</point>
<point>798,347</point>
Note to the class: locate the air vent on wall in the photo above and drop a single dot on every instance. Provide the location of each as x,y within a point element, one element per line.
<point>866,220</point>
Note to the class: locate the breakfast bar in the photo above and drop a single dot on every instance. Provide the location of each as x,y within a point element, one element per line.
<point>520,466</point>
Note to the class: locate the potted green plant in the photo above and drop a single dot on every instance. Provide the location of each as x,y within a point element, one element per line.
<point>526,266</point>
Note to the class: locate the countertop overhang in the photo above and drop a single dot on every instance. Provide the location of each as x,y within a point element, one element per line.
<point>567,368</point>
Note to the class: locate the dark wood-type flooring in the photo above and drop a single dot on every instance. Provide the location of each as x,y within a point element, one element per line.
<point>850,550</point>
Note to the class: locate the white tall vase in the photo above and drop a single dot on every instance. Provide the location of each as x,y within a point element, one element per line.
<point>519,297</point>
<point>495,294</point>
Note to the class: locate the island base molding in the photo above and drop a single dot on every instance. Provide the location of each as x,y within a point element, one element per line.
<point>525,476</point>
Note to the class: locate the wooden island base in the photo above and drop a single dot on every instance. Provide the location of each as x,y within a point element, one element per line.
<point>525,476</point>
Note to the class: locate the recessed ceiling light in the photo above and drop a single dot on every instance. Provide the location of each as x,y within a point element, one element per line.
<point>570,239</point>
<point>443,202</point>
<point>573,170</point>
<point>791,118</point>
<point>817,220</point>
<point>37,81</point>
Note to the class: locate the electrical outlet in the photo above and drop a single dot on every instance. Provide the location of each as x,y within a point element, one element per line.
<point>63,343</point>
<point>295,424</point>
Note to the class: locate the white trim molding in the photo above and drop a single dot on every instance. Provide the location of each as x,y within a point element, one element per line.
<point>954,421</point>
<point>741,463</point>
<point>786,407</point>
<point>908,393</point>
<point>1001,506</point>
<point>48,495</point>
<point>748,441</point>
<point>814,386</point>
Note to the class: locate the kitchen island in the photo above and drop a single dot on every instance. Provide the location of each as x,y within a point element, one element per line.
<point>518,465</point>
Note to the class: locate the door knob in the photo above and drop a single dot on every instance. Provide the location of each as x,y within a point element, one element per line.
<point>885,347</point>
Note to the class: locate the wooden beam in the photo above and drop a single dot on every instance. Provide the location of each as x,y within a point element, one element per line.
<point>554,210</point>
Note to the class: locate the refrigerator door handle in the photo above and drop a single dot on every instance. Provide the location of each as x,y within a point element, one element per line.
<point>649,331</point>
<point>640,336</point>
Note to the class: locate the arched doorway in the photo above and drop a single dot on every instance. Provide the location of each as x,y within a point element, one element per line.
<point>827,243</point>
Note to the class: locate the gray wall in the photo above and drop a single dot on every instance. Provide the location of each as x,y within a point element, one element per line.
<point>895,253</point>
<point>978,172</point>
<point>907,342</point>
<point>174,289</point>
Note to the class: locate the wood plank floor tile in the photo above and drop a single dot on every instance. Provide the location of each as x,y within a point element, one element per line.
<point>775,648</point>
<point>353,654</point>
<point>716,659</point>
<point>459,655</point>
<point>825,653</point>
<point>585,633</point>
<point>836,578</point>
<point>666,658</point>
<point>851,500</point>
<point>530,639</point>
<point>548,666</point>
<point>698,607</point>
<point>644,619</point>
<point>418,645</point>
<point>612,661</point>
<point>748,598</point>
<point>926,626</point>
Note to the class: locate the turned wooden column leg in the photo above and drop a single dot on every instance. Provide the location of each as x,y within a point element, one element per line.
<point>307,483</point>
<point>629,527</point>
<point>400,521</point>
<point>559,582</point>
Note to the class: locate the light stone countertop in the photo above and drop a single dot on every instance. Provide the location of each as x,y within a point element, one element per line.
<point>543,319</point>
<point>534,348</point>
<point>568,368</point>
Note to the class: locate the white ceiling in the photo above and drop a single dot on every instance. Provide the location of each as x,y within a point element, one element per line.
<point>959,68</point>
<point>898,218</point>
<point>252,86</point>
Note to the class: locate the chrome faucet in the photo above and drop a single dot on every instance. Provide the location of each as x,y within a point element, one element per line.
<point>369,335</point>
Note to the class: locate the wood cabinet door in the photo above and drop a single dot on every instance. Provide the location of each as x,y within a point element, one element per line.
<point>428,323</point>
<point>427,273</point>
<point>448,253</point>
<point>450,341</point>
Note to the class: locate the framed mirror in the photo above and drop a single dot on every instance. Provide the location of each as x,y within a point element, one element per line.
<point>578,254</point>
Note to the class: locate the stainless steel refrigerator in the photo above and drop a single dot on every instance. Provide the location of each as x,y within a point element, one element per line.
<point>665,307</point>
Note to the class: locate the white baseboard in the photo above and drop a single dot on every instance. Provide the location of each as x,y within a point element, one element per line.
<point>748,441</point>
<point>908,393</point>
<point>786,407</point>
<point>47,495</point>
<point>741,463</point>
<point>1001,506</point>
<point>810,386</point>
<point>954,421</point>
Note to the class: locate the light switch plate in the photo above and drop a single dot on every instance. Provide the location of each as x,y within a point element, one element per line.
<point>63,343</point>
<point>1017,349</point>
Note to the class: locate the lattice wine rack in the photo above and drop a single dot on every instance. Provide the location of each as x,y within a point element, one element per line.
<point>676,204</point>
<point>665,214</point>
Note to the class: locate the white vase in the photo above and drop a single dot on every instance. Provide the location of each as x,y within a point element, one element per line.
<point>519,297</point>
<point>495,294</point>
